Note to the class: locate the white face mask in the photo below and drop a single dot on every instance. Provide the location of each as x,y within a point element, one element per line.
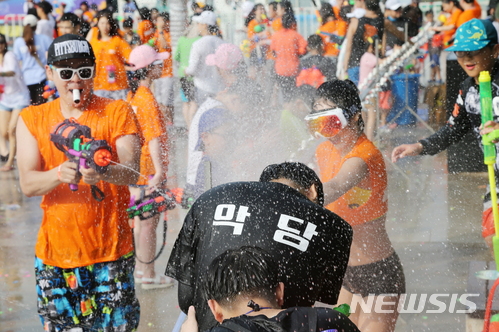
<point>327,123</point>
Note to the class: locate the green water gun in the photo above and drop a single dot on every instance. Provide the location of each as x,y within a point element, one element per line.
<point>489,152</point>
<point>343,308</point>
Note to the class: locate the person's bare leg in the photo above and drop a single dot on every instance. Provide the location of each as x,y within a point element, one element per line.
<point>346,297</point>
<point>146,245</point>
<point>167,113</point>
<point>380,322</point>
<point>370,119</point>
<point>4,131</point>
<point>9,165</point>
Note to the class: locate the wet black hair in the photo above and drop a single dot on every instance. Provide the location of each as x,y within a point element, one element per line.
<point>344,11</point>
<point>247,271</point>
<point>45,6</point>
<point>3,40</point>
<point>32,11</point>
<point>165,16</point>
<point>344,94</point>
<point>273,4</point>
<point>252,14</point>
<point>114,29</point>
<point>145,13</point>
<point>288,21</point>
<point>455,2</point>
<point>297,172</point>
<point>288,7</point>
<point>326,11</point>
<point>428,12</point>
<point>373,5</point>
<point>315,42</point>
<point>128,23</point>
<point>70,17</point>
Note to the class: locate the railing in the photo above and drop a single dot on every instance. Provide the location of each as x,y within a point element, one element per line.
<point>12,27</point>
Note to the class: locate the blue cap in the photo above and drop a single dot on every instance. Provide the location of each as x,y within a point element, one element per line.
<point>210,120</point>
<point>474,35</point>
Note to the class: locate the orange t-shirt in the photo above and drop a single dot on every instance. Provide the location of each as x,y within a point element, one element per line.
<point>335,26</point>
<point>452,20</point>
<point>468,15</point>
<point>76,229</point>
<point>152,125</point>
<point>477,10</point>
<point>168,63</point>
<point>287,45</point>
<point>366,201</point>
<point>276,24</point>
<point>114,52</point>
<point>145,30</point>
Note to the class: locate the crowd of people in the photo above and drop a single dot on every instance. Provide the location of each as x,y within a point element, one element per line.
<point>278,97</point>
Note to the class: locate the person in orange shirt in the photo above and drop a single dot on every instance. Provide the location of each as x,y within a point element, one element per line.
<point>84,255</point>
<point>354,176</point>
<point>288,45</point>
<point>147,64</point>
<point>471,10</point>
<point>259,37</point>
<point>111,53</point>
<point>332,30</point>
<point>145,29</point>
<point>86,15</point>
<point>283,7</point>
<point>163,86</point>
<point>449,28</point>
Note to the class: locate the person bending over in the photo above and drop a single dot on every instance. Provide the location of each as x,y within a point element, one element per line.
<point>310,243</point>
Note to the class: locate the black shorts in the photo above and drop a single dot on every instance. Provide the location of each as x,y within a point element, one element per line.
<point>383,277</point>
<point>188,88</point>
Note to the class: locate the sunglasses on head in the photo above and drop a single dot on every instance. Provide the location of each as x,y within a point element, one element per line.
<point>66,74</point>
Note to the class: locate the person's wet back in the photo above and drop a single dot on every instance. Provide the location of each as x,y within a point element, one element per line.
<point>310,243</point>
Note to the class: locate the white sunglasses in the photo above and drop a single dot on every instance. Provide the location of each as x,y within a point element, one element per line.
<point>66,74</point>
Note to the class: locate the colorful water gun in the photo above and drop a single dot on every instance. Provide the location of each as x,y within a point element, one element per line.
<point>489,152</point>
<point>265,20</point>
<point>157,202</point>
<point>246,48</point>
<point>50,91</point>
<point>333,38</point>
<point>77,143</point>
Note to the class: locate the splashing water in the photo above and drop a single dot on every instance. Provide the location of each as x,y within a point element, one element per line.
<point>128,168</point>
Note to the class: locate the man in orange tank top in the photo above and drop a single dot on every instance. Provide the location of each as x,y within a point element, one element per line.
<point>84,255</point>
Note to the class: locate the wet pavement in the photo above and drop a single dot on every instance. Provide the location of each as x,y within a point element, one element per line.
<point>434,223</point>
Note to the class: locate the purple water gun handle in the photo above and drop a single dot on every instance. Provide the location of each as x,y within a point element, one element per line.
<point>82,162</point>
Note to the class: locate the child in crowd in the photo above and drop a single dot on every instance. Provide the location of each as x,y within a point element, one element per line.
<point>476,49</point>
<point>355,183</point>
<point>111,53</point>
<point>153,160</point>
<point>163,87</point>
<point>435,46</point>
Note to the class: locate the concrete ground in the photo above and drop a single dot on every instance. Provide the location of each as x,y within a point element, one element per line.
<point>434,222</point>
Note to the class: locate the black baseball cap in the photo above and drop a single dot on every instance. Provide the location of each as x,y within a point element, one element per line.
<point>69,47</point>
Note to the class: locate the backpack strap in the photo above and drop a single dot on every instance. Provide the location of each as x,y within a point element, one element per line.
<point>234,326</point>
<point>312,319</point>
